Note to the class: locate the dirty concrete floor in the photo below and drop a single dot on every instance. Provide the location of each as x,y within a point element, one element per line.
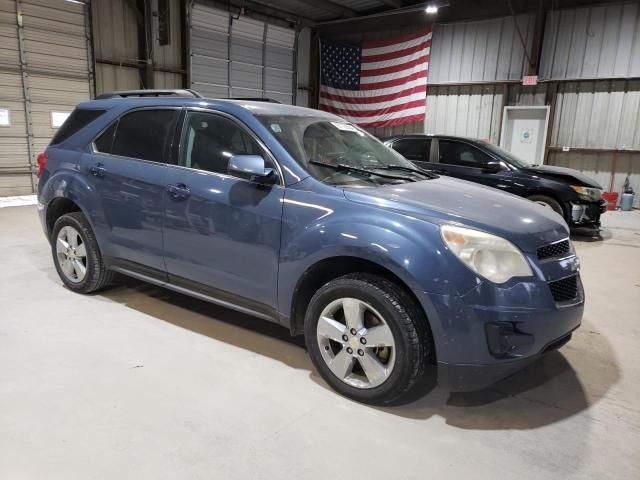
<point>138,382</point>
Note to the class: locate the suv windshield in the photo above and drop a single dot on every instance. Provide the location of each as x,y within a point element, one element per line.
<point>339,153</point>
<point>508,156</point>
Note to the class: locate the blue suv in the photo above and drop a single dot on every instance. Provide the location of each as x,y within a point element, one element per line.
<point>300,218</point>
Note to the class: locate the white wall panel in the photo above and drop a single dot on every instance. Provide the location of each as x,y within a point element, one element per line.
<point>470,111</point>
<point>598,115</point>
<point>602,41</point>
<point>487,50</point>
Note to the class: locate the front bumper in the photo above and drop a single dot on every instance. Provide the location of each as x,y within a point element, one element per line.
<point>494,331</point>
<point>586,214</point>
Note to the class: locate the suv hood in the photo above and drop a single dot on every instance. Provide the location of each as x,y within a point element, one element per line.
<point>449,200</point>
<point>563,174</point>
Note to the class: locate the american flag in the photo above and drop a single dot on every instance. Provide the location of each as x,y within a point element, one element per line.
<point>376,84</point>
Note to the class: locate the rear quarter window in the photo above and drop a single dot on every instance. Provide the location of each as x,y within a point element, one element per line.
<point>79,118</point>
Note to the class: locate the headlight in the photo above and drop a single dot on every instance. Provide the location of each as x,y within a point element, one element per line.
<point>491,257</point>
<point>587,193</point>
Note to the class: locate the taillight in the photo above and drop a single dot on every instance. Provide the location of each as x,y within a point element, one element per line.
<point>42,163</point>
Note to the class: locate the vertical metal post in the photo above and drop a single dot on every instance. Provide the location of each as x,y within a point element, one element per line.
<point>229,39</point>
<point>91,65</point>
<point>264,60</point>
<point>26,94</point>
<point>295,66</point>
<point>148,50</point>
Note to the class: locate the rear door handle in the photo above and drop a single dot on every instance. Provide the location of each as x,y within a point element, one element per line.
<point>97,170</point>
<point>179,191</point>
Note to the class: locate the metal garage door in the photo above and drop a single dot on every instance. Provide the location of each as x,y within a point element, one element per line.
<point>240,57</point>
<point>44,73</point>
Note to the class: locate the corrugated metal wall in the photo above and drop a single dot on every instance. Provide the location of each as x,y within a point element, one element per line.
<point>595,42</point>
<point>168,57</point>
<point>488,50</point>
<point>240,57</point>
<point>115,39</point>
<point>15,169</point>
<point>598,115</point>
<point>469,110</point>
<point>45,69</point>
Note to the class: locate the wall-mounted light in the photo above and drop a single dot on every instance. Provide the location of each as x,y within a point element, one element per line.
<point>431,9</point>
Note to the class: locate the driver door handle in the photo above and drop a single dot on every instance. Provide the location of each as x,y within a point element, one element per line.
<point>179,191</point>
<point>97,170</point>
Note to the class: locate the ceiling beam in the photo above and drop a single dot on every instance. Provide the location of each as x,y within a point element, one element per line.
<point>330,7</point>
<point>393,3</point>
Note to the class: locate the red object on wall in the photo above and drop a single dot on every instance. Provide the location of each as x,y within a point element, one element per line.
<point>611,199</point>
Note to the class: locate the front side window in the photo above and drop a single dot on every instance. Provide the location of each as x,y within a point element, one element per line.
<point>462,154</point>
<point>414,149</point>
<point>324,147</point>
<point>143,134</point>
<point>210,140</point>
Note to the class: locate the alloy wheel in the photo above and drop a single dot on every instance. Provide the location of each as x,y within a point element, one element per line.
<point>71,254</point>
<point>356,343</point>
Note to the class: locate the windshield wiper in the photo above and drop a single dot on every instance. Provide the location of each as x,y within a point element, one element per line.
<point>400,168</point>
<point>341,167</point>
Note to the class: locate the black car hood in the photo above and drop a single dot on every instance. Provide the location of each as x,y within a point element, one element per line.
<point>563,174</point>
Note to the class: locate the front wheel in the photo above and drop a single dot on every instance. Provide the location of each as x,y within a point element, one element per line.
<point>368,339</point>
<point>548,202</point>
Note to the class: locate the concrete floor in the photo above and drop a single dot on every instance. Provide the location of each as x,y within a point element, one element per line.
<point>141,383</point>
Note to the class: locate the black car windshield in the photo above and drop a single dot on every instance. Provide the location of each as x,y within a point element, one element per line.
<point>508,156</point>
<point>338,152</point>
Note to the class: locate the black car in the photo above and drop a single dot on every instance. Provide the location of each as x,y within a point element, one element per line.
<point>570,193</point>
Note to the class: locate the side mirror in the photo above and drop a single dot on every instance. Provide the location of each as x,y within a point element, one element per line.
<point>250,167</point>
<point>493,167</point>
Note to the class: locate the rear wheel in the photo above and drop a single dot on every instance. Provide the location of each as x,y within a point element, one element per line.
<point>549,203</point>
<point>367,338</point>
<point>76,254</point>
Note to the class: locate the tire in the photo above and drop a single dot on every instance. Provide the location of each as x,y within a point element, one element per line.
<point>548,202</point>
<point>94,276</point>
<point>385,304</point>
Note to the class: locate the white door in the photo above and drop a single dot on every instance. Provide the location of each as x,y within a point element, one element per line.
<point>524,132</point>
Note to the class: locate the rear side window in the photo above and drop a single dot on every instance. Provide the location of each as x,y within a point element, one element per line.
<point>415,149</point>
<point>78,119</point>
<point>142,134</point>
<point>104,143</point>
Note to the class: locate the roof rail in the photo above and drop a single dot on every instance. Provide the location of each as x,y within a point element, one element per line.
<point>150,93</point>
<point>255,99</point>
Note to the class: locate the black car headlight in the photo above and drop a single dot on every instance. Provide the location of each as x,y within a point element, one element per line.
<point>587,193</point>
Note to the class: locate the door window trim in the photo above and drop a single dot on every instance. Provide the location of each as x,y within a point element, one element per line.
<point>239,124</point>
<point>166,154</point>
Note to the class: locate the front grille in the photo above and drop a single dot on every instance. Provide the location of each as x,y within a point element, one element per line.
<point>554,250</point>
<point>565,289</point>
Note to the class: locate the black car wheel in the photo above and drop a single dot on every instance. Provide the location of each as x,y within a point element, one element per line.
<point>368,338</point>
<point>76,254</point>
<point>549,203</point>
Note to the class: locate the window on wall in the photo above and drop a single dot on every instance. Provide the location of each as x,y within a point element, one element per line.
<point>143,134</point>
<point>210,140</point>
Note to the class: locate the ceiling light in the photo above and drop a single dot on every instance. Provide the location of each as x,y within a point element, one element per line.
<point>78,2</point>
<point>431,9</point>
